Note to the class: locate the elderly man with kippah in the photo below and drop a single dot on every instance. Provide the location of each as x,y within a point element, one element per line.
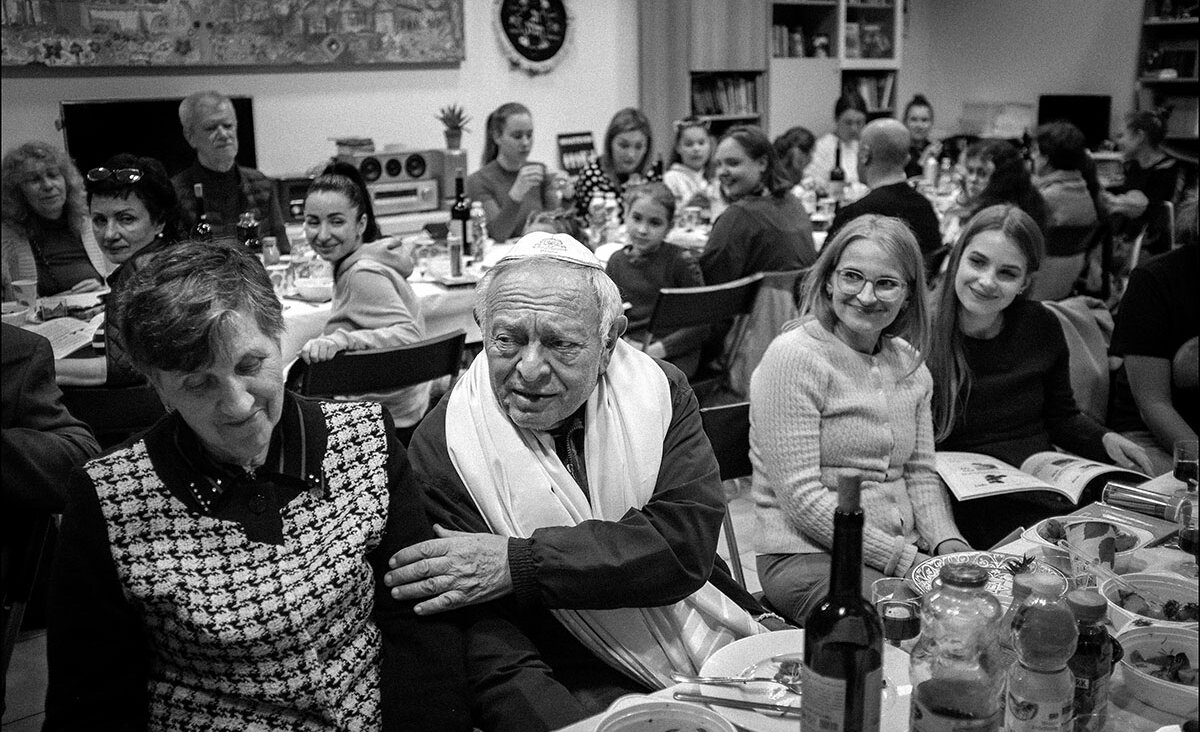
<point>574,491</point>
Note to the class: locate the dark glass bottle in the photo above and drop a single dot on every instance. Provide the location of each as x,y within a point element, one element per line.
<point>656,170</point>
<point>247,229</point>
<point>202,231</point>
<point>1092,664</point>
<point>837,178</point>
<point>843,636</point>
<point>461,212</point>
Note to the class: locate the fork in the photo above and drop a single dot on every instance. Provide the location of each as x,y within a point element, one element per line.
<point>792,686</point>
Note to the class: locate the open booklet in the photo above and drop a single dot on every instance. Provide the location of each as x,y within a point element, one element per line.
<point>971,475</point>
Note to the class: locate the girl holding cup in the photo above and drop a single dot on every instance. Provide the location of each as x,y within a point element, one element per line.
<point>646,265</point>
<point>510,186</point>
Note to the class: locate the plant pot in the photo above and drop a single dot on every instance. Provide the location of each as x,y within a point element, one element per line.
<point>453,139</point>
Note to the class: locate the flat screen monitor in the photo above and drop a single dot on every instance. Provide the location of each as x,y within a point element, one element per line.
<point>95,130</point>
<point>1091,113</point>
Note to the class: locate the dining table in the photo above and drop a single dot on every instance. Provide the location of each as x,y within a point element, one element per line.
<point>1125,713</point>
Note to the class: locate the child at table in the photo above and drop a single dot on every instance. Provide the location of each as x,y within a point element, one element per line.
<point>691,177</point>
<point>647,264</point>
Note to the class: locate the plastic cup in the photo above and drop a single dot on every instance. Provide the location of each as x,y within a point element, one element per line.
<point>279,277</point>
<point>1096,543</point>
<point>26,293</point>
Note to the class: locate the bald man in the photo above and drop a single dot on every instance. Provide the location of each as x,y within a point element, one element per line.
<point>882,154</point>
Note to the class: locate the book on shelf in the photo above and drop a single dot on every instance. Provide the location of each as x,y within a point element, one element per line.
<point>971,475</point>
<point>853,48</point>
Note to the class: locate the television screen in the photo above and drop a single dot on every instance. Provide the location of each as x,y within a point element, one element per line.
<point>94,131</point>
<point>1091,113</point>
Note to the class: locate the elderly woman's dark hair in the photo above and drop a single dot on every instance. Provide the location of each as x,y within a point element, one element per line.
<point>1149,124</point>
<point>496,122</point>
<point>758,147</point>
<point>152,187</point>
<point>15,209</point>
<point>895,238</point>
<point>629,119</point>
<point>174,310</point>
<point>1063,144</point>
<point>362,200</point>
<point>1010,182</point>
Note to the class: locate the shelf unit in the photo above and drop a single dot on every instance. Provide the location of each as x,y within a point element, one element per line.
<point>1168,73</point>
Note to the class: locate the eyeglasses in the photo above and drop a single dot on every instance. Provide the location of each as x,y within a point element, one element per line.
<point>886,289</point>
<point>122,175</point>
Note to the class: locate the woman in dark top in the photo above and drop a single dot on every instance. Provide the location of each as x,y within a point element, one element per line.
<point>43,223</point>
<point>625,164</point>
<point>134,216</point>
<point>648,264</point>
<point>995,175</point>
<point>918,118</point>
<point>1001,372</point>
<point>765,228</point>
<point>1151,177</point>
<point>224,569</point>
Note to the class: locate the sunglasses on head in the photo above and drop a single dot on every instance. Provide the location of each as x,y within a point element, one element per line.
<point>122,175</point>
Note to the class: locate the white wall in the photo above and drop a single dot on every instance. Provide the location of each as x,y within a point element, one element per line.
<point>296,112</point>
<point>1015,50</point>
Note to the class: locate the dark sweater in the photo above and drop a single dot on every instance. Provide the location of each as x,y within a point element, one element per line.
<point>639,282</point>
<point>758,234</point>
<point>901,201</point>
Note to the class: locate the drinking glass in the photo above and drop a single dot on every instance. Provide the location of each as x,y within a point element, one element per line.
<point>899,607</point>
<point>1187,454</point>
<point>1188,513</point>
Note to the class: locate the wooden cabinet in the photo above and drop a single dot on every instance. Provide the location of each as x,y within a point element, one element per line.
<point>1168,74</point>
<point>728,35</point>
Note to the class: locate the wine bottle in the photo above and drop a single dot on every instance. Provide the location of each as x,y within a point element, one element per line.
<point>842,673</point>
<point>202,231</point>
<point>837,178</point>
<point>656,171</point>
<point>461,212</point>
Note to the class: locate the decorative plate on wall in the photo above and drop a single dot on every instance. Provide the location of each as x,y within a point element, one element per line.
<point>533,33</point>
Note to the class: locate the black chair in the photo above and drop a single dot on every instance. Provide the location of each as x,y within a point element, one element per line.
<point>709,305</point>
<point>114,413</point>
<point>21,575</point>
<point>385,369</point>
<point>728,429</point>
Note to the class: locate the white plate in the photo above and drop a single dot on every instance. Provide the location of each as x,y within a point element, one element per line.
<point>996,564</point>
<point>735,658</point>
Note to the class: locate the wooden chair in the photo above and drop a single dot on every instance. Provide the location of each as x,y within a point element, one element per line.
<point>728,429</point>
<point>712,305</point>
<point>385,369</point>
<point>114,413</point>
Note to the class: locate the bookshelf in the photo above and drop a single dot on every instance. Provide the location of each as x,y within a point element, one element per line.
<point>1168,73</point>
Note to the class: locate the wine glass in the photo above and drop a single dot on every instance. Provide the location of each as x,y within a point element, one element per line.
<point>899,607</point>
<point>1188,514</point>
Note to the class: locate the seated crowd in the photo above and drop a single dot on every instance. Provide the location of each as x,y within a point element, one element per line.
<point>543,538</point>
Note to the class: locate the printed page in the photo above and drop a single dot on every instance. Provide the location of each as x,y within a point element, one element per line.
<point>971,475</point>
<point>1072,473</point>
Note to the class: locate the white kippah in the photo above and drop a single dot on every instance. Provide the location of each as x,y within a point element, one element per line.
<point>544,245</point>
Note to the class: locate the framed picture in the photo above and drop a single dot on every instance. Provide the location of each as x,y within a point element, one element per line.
<point>106,33</point>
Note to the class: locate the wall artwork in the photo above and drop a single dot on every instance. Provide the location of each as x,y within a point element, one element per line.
<point>152,33</point>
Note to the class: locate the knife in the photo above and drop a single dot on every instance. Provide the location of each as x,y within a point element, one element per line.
<point>717,701</point>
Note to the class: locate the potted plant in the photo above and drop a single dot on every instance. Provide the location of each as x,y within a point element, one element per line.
<point>455,120</point>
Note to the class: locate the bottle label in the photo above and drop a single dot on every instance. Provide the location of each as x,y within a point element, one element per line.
<point>945,705</point>
<point>824,708</point>
<point>1030,715</point>
<point>1091,697</point>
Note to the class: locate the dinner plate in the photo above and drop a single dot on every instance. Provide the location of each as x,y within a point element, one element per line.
<point>998,568</point>
<point>755,656</point>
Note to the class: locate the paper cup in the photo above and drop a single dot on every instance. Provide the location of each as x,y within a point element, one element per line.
<point>25,292</point>
<point>279,277</point>
<point>1097,541</point>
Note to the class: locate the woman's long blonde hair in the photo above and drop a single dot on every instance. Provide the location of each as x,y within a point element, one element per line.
<point>947,354</point>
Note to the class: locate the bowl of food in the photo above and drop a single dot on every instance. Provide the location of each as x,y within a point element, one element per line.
<point>1160,667</point>
<point>1048,532</point>
<point>663,715</point>
<point>14,313</point>
<point>1151,599</point>
<point>314,290</point>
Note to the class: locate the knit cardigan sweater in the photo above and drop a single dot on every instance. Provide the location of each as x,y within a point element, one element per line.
<point>820,410</point>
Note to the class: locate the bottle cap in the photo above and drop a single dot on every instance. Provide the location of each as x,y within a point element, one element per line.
<point>1046,585</point>
<point>963,574</point>
<point>1088,605</point>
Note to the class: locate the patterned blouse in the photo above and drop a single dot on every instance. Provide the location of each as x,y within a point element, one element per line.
<point>207,597</point>
<point>593,180</point>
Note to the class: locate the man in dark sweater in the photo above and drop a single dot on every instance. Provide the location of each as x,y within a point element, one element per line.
<point>882,154</point>
<point>210,127</point>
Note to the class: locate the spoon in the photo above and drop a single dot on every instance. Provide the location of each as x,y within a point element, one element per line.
<point>792,686</point>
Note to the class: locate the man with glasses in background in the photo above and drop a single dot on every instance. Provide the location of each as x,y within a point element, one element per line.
<point>210,127</point>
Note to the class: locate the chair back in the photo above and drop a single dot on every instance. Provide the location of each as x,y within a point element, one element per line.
<point>776,303</point>
<point>681,307</point>
<point>728,430</point>
<point>114,413</point>
<point>1158,235</point>
<point>381,370</point>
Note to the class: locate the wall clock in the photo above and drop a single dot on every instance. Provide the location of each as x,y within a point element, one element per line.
<point>533,33</point>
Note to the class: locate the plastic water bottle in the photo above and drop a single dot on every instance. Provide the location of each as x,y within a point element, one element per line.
<point>270,251</point>
<point>1093,661</point>
<point>597,218</point>
<point>612,210</point>
<point>957,669</point>
<point>945,182</point>
<point>479,232</point>
<point>1041,689</point>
